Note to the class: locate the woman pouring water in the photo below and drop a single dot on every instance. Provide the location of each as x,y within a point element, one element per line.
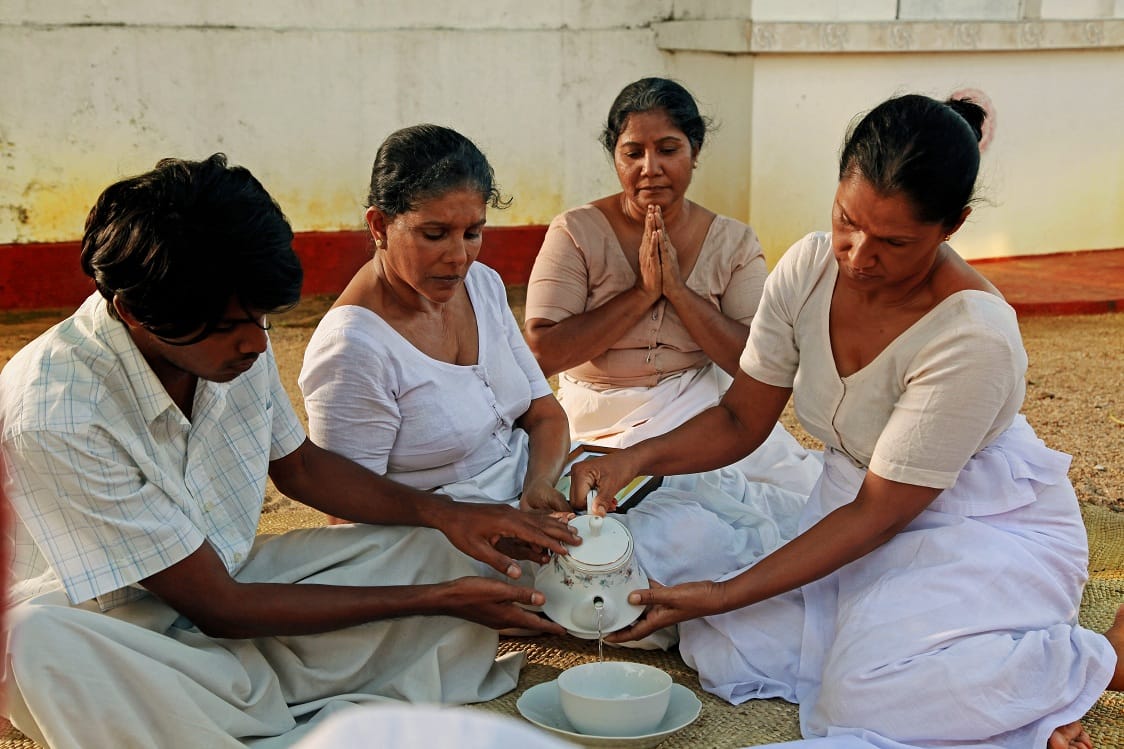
<point>930,598</point>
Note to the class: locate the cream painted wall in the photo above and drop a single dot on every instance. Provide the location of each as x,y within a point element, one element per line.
<point>723,85</point>
<point>1051,180</point>
<point>303,93</point>
<point>304,110</point>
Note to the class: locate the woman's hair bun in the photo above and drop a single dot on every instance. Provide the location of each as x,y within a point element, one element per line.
<point>972,113</point>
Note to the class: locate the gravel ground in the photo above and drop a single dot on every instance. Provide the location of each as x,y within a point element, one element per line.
<point>1074,385</point>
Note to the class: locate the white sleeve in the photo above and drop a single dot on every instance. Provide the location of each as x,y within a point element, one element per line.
<point>349,396</point>
<point>515,340</point>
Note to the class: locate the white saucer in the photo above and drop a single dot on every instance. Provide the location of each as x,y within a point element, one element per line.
<point>541,705</point>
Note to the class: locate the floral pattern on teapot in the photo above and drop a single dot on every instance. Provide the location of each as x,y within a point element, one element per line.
<point>609,579</point>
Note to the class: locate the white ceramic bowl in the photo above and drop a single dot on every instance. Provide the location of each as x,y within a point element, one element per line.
<point>614,698</point>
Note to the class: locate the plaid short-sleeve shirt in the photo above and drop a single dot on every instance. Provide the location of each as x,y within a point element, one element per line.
<point>109,482</point>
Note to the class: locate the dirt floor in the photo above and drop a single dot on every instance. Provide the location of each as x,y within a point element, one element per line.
<point>1074,400</point>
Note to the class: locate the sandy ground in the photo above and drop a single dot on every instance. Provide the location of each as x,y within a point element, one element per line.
<point>1074,395</point>
<point>1074,392</point>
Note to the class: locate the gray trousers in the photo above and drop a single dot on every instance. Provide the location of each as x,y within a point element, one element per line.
<point>142,676</point>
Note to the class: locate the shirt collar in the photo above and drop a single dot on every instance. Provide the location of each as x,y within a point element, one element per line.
<point>151,395</point>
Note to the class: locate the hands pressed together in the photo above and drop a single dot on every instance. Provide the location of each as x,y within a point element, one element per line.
<point>659,261</point>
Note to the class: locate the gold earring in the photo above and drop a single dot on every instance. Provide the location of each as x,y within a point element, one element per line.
<point>378,244</point>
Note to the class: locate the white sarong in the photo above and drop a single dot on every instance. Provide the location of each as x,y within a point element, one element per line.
<point>140,675</point>
<point>960,631</point>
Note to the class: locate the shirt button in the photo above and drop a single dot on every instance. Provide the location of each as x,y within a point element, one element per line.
<point>208,506</point>
<point>238,557</point>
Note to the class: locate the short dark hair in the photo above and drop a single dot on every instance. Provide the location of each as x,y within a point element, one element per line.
<point>925,149</point>
<point>421,162</point>
<point>175,245</point>
<point>648,94</point>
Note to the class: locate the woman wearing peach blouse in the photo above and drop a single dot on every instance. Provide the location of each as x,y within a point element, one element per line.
<point>641,301</point>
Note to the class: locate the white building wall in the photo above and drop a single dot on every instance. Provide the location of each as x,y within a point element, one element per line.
<point>303,93</point>
<point>1052,178</point>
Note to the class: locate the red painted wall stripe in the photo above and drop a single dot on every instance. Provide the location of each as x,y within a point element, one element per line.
<point>47,275</point>
<point>43,276</point>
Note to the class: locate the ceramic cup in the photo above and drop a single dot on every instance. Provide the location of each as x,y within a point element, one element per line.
<point>614,698</point>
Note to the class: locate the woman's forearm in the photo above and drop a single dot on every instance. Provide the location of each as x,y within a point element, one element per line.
<point>549,444</point>
<point>565,344</point>
<point>721,338</point>
<point>881,510</point>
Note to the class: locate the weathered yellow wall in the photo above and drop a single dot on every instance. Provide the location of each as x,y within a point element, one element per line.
<point>302,94</point>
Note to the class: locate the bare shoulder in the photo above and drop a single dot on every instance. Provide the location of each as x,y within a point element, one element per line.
<point>956,274</point>
<point>359,289</point>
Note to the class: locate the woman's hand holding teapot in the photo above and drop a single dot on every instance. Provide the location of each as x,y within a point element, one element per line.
<point>665,606</point>
<point>594,482</point>
<point>541,494</point>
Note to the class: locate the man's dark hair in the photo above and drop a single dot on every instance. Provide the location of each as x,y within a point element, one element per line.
<point>175,245</point>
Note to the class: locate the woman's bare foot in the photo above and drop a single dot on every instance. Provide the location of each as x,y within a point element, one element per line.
<point>1115,635</point>
<point>1071,736</point>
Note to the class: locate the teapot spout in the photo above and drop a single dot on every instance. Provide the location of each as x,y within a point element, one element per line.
<point>595,615</point>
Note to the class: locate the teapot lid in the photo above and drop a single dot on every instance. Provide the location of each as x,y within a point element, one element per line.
<point>605,540</point>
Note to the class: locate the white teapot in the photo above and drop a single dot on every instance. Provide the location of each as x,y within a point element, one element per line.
<point>587,590</point>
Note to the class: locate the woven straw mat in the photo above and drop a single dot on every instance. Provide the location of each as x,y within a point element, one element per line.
<point>723,726</point>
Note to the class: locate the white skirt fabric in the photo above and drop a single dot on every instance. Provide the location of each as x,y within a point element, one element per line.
<point>960,631</point>
<point>620,417</point>
<point>427,726</point>
<point>142,676</point>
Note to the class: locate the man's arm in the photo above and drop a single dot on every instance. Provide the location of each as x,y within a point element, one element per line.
<point>344,489</point>
<point>200,588</point>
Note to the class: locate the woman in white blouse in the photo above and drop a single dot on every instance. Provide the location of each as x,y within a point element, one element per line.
<point>931,596</point>
<point>419,370</point>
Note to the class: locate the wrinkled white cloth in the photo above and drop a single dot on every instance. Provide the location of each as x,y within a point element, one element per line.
<point>426,726</point>
<point>623,416</point>
<point>140,675</point>
<point>960,631</point>
<point>702,525</point>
